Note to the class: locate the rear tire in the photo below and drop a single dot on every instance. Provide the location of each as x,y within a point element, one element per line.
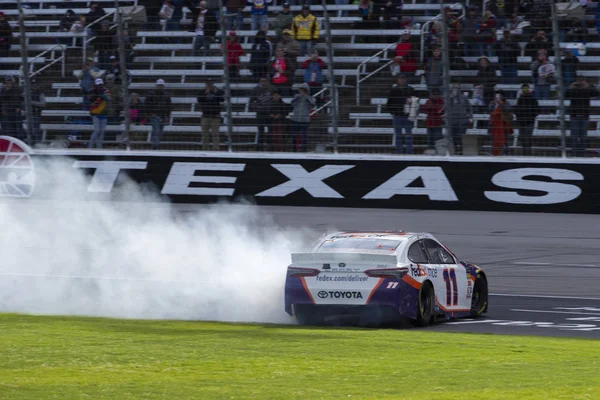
<point>479,301</point>
<point>425,305</point>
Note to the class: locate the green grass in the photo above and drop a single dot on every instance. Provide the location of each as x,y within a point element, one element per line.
<point>95,358</point>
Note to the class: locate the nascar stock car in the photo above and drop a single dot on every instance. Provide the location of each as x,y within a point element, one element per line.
<point>385,276</point>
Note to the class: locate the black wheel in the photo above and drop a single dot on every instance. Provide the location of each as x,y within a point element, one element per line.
<point>425,305</point>
<point>479,301</point>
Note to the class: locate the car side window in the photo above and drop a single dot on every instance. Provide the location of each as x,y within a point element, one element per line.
<point>416,254</point>
<point>437,254</point>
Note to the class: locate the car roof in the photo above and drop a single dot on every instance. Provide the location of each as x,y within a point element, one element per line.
<point>393,235</point>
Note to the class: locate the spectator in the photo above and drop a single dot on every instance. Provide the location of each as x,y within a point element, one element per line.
<point>105,44</point>
<point>65,24</point>
<point>526,112</point>
<point>538,14</point>
<point>6,34</point>
<point>306,30</point>
<point>167,10</point>
<point>171,12</point>
<point>284,20</point>
<point>434,108</point>
<point>153,8</point>
<point>260,55</point>
<point>504,10</point>
<point>366,9</point>
<point>259,14</point>
<point>501,118</point>
<point>302,104</point>
<point>174,24</point>
<point>486,76</point>
<point>280,72</point>
<point>405,61</point>
<point>454,32</point>
<point>259,102</point>
<point>488,34</point>
<point>387,11</point>
<point>313,72</point>
<point>278,110</point>
<point>470,33</point>
<point>210,104</point>
<point>537,43</point>
<point>543,75</point>
<point>433,71</point>
<point>580,92</point>
<point>115,69</point>
<point>38,103</point>
<point>508,51</point>
<point>135,109</point>
<point>478,99</point>
<point>78,27</point>
<point>461,117</point>
<point>114,107</point>
<point>291,50</point>
<point>234,52</point>
<point>398,104</point>
<point>570,65</point>
<point>11,99</point>
<point>578,32</point>
<point>99,100</point>
<point>95,14</point>
<point>205,26</point>
<point>158,107</point>
<point>235,14</point>
<point>88,74</point>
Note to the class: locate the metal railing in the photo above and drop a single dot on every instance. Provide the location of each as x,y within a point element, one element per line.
<point>62,58</point>
<point>362,66</point>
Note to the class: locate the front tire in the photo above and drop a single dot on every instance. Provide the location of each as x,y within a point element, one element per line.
<point>479,301</point>
<point>425,305</point>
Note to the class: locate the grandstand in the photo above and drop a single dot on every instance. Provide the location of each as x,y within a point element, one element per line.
<point>362,59</point>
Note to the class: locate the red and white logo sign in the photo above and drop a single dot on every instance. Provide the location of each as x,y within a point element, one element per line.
<point>17,174</point>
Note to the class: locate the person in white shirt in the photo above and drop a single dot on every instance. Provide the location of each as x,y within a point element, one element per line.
<point>205,26</point>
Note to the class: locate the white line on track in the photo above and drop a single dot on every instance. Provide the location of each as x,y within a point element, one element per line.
<point>535,296</point>
<point>557,264</point>
<point>554,312</point>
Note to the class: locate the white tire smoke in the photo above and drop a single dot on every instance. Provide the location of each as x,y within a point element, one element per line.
<point>139,259</point>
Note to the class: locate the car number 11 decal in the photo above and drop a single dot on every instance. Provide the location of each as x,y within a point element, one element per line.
<point>451,286</point>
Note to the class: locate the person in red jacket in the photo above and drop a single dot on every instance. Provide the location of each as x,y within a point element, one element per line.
<point>405,61</point>
<point>434,108</point>
<point>488,34</point>
<point>234,52</point>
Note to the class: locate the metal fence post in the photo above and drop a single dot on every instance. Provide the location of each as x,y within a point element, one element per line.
<point>25,71</point>
<point>226,79</point>
<point>559,80</point>
<point>446,79</point>
<point>124,80</point>
<point>332,84</point>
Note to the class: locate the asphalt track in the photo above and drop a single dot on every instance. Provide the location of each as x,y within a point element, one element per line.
<point>543,269</point>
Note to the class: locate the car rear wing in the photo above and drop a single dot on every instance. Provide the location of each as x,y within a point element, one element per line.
<point>372,258</point>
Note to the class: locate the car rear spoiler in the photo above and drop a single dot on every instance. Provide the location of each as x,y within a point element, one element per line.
<point>388,259</point>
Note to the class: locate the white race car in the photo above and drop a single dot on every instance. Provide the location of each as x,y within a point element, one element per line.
<point>383,275</point>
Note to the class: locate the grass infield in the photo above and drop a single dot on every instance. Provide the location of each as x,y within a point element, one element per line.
<point>95,358</point>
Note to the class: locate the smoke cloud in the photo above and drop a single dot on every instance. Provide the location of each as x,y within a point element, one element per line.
<point>136,258</point>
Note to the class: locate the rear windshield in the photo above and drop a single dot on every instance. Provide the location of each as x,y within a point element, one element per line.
<point>360,244</point>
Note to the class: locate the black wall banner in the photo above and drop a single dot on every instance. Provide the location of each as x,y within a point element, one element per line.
<point>469,183</point>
